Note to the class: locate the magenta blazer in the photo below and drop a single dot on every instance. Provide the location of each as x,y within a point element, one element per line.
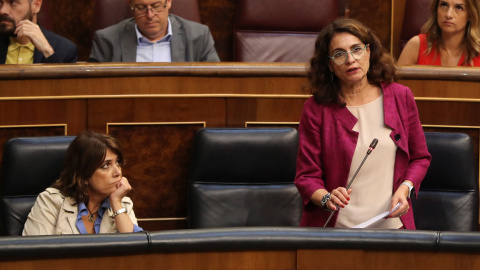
<point>327,143</point>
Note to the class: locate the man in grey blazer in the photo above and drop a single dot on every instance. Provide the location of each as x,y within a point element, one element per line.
<point>153,35</point>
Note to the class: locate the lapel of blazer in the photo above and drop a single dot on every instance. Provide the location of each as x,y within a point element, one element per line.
<point>177,44</point>
<point>71,214</point>
<point>128,42</point>
<point>392,117</point>
<point>347,119</point>
<point>37,56</point>
<point>106,226</point>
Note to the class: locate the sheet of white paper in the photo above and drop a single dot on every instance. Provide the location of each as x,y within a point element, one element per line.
<point>376,218</point>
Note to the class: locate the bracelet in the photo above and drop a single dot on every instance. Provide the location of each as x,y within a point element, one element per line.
<point>123,210</point>
<point>324,201</point>
<point>410,189</point>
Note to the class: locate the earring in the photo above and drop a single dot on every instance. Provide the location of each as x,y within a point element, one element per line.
<point>332,75</point>
<point>85,189</point>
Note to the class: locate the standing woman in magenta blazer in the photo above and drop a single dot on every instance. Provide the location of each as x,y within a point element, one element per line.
<point>354,101</point>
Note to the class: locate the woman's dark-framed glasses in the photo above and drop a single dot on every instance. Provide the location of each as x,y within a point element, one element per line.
<point>341,57</point>
<point>142,10</point>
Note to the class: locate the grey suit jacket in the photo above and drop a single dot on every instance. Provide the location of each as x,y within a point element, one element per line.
<point>191,42</point>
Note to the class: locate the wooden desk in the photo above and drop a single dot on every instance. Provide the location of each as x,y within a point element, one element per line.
<point>265,260</point>
<point>155,109</point>
<point>247,248</point>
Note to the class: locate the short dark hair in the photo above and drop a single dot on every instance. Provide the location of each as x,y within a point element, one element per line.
<point>85,155</point>
<point>323,85</point>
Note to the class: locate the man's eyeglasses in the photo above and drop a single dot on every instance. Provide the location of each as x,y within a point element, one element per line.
<point>142,10</point>
<point>341,57</point>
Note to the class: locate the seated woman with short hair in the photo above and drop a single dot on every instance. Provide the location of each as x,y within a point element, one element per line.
<point>90,195</point>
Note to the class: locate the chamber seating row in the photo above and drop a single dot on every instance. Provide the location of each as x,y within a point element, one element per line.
<point>264,31</point>
<point>109,12</point>
<point>243,177</point>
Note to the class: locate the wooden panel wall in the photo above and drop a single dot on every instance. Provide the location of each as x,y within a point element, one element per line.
<point>219,15</point>
<point>376,15</point>
<point>365,259</point>
<point>398,11</point>
<point>73,19</point>
<point>215,260</point>
<point>160,164</point>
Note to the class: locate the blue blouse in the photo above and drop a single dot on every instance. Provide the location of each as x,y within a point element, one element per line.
<point>82,211</point>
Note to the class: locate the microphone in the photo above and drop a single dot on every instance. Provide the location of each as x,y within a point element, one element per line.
<point>372,146</point>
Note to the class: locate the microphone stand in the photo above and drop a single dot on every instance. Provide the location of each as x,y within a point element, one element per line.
<point>372,146</point>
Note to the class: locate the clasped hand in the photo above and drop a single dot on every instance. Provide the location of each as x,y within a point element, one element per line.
<point>339,197</point>
<point>123,188</point>
<point>27,30</point>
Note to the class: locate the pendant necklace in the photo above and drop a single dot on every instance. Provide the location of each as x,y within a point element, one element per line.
<point>90,216</point>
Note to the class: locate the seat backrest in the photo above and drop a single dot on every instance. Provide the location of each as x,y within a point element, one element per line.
<point>448,196</point>
<point>110,12</point>
<point>29,166</point>
<point>280,31</point>
<point>244,177</point>
<point>416,15</point>
<point>187,9</point>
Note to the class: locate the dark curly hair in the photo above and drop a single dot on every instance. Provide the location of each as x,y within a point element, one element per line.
<point>84,155</point>
<point>325,89</point>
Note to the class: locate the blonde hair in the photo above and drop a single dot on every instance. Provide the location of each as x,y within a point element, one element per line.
<point>472,32</point>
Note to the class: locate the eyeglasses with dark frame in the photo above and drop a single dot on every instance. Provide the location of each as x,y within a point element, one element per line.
<point>341,57</point>
<point>142,10</point>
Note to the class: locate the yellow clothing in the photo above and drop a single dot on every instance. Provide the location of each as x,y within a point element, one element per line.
<point>19,53</point>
